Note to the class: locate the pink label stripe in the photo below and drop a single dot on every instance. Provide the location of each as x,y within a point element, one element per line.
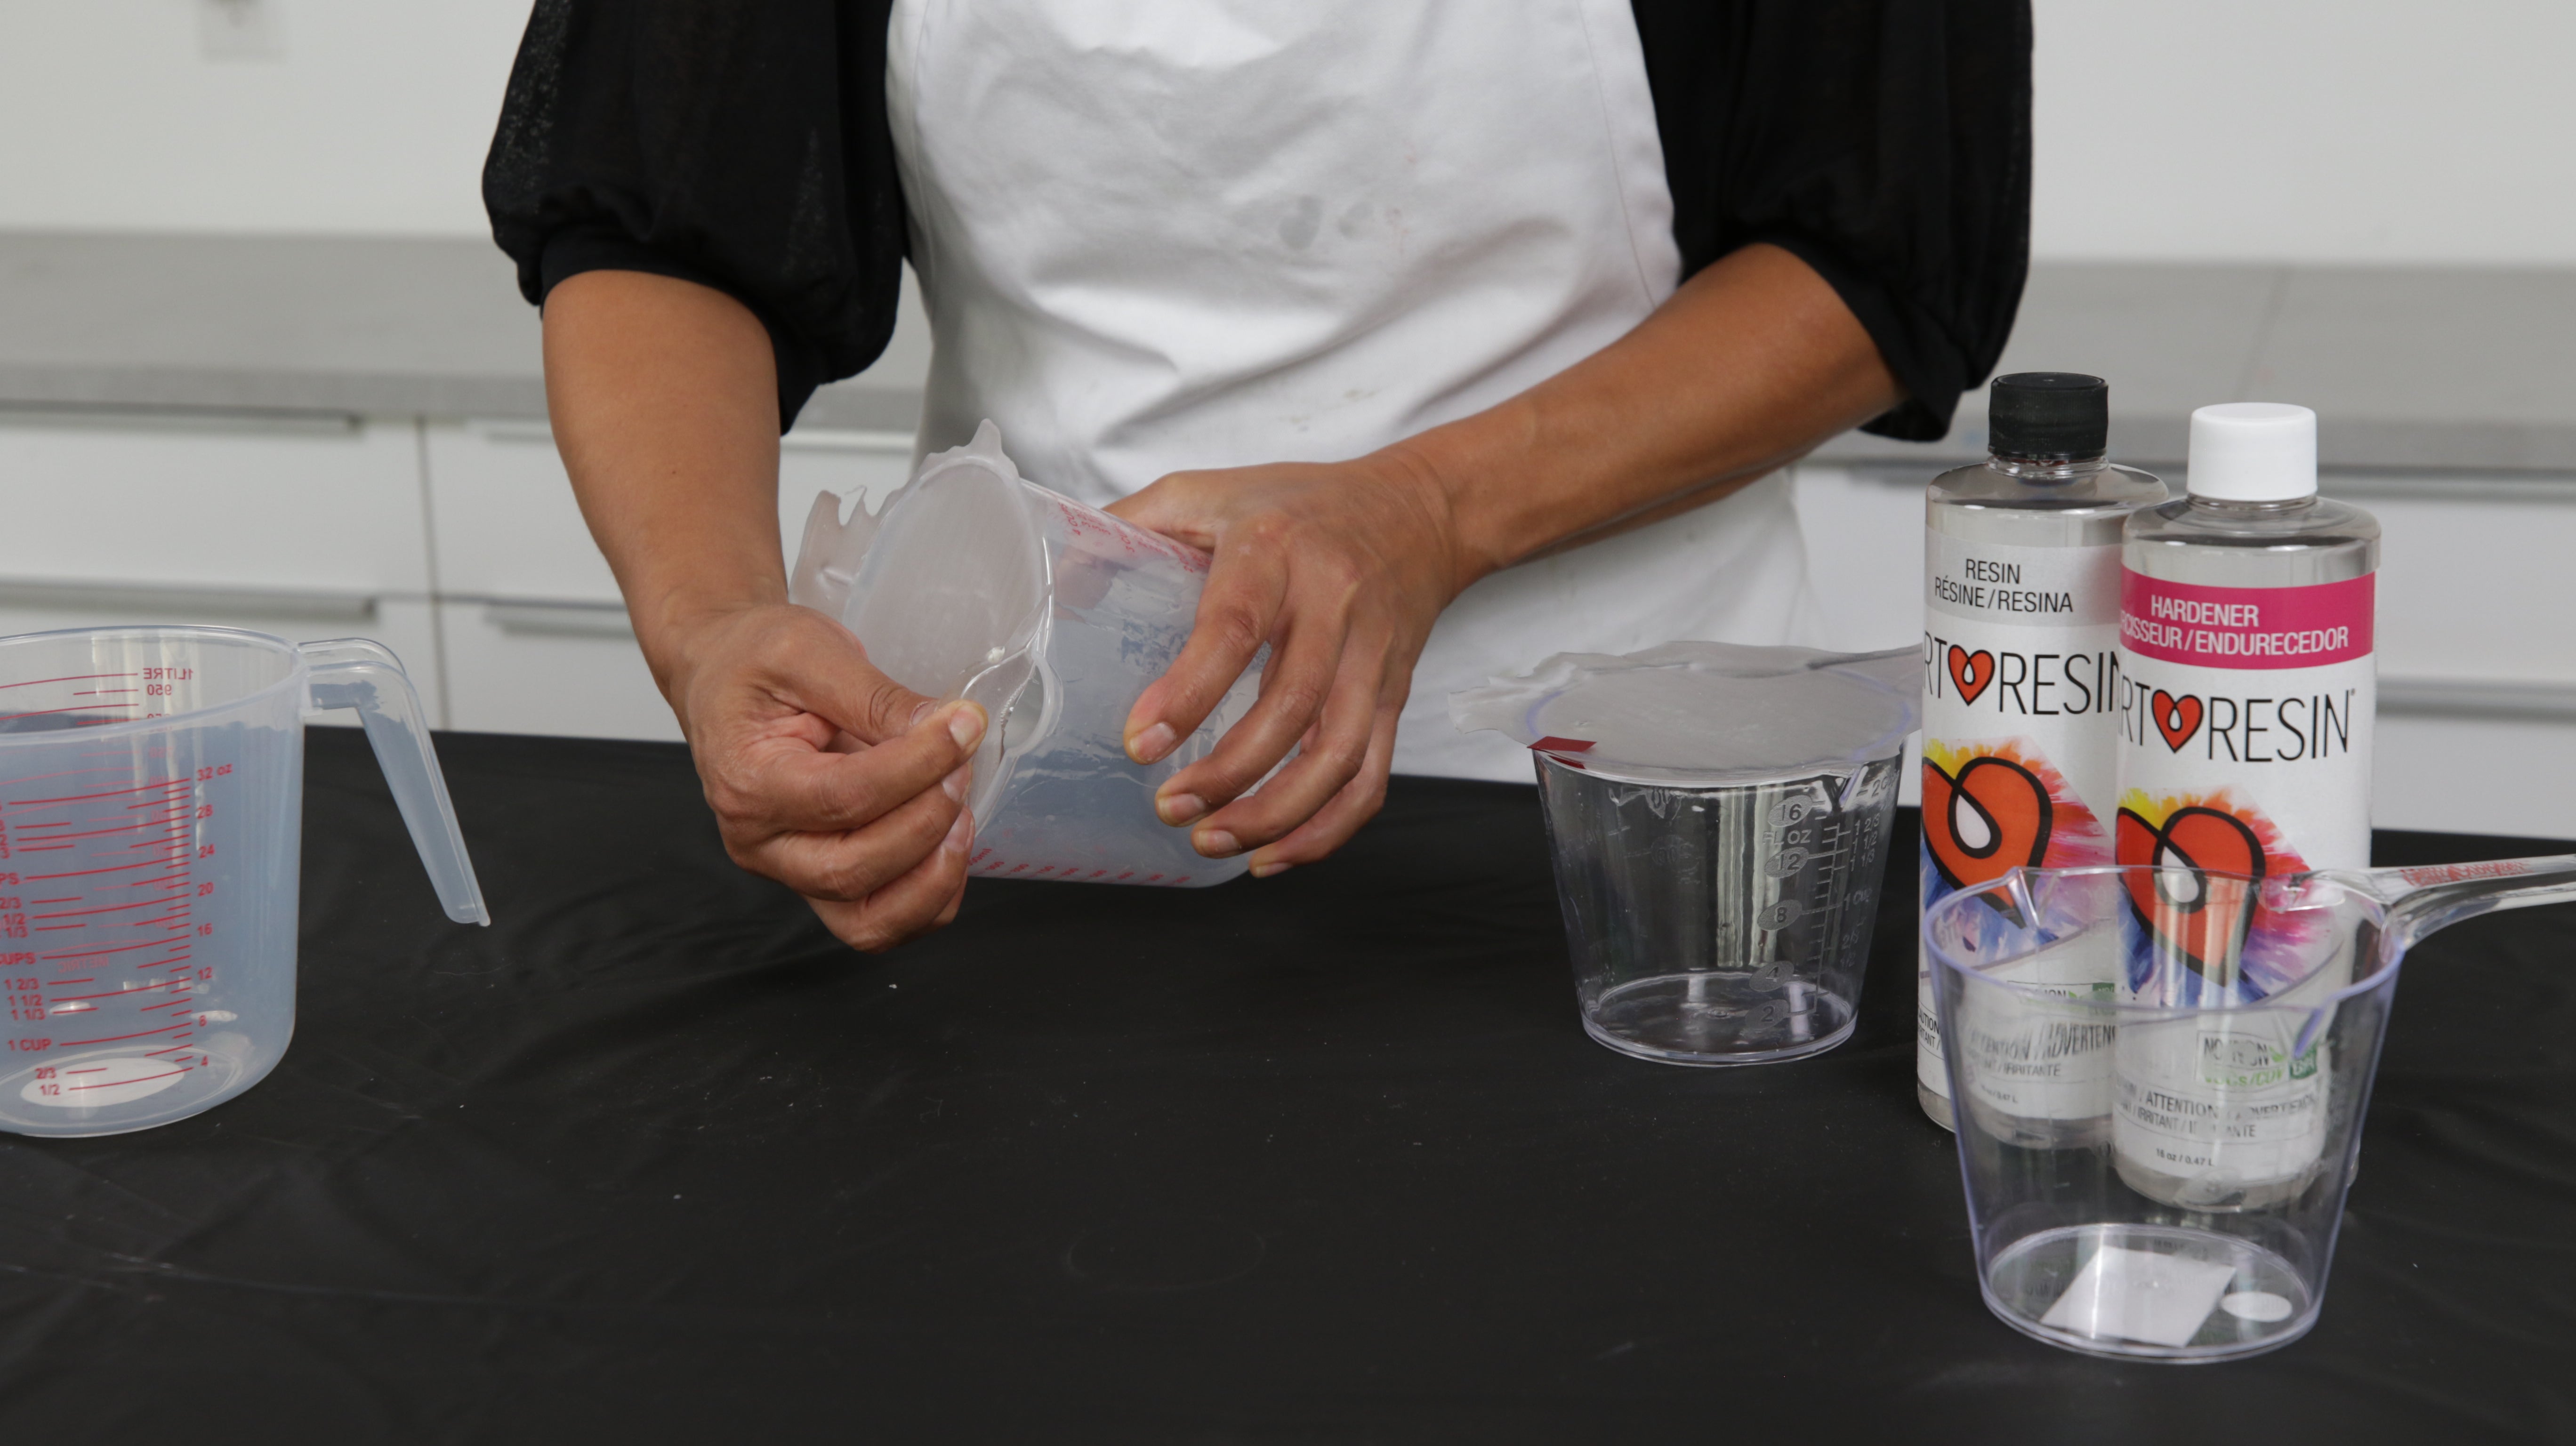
<point>2246,627</point>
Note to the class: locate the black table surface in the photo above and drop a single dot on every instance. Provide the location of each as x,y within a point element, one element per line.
<point>1318,1158</point>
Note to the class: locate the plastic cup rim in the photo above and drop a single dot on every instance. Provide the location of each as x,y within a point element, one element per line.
<point>2385,977</point>
<point>294,679</point>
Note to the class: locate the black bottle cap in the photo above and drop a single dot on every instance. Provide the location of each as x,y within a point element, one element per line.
<point>2048,414</point>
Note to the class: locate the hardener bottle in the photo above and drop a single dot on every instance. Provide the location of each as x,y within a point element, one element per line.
<point>2247,692</point>
<point>2020,626</point>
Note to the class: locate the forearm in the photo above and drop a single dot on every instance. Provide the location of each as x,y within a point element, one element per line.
<point>664,397</point>
<point>1750,364</point>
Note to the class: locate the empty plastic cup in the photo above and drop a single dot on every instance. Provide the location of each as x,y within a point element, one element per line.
<point>2225,1066</point>
<point>1719,819</point>
<point>971,582</point>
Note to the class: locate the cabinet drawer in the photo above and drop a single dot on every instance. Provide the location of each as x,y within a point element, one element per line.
<point>568,670</point>
<point>506,525</point>
<point>324,505</point>
<point>2473,577</point>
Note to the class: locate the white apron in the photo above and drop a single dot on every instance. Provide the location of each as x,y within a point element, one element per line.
<point>1156,235</point>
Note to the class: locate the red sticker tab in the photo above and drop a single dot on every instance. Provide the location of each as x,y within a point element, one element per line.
<point>2246,627</point>
<point>1557,748</point>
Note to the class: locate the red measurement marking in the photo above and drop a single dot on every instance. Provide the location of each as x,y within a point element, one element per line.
<point>74,899</point>
<point>100,692</point>
<point>109,909</point>
<point>165,1049</point>
<point>73,678</point>
<point>94,953</point>
<point>78,797</point>
<point>182,876</point>
<point>85,873</point>
<point>93,1069</point>
<point>111,994</point>
<point>41,848</point>
<point>59,823</point>
<point>165,1074</point>
<point>99,832</point>
<point>57,928</point>
<point>118,1038</point>
<point>75,708</point>
<point>93,979</point>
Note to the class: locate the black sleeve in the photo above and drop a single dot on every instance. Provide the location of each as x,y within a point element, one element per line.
<point>1884,142</point>
<point>740,145</point>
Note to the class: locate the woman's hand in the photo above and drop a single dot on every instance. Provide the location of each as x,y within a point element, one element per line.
<point>825,774</point>
<point>1340,569</point>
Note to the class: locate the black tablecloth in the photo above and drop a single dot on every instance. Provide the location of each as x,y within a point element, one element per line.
<point>1319,1158</point>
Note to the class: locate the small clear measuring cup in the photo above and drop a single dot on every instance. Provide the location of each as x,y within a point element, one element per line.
<point>1719,819</point>
<point>2195,1220</point>
<point>973,582</point>
<point>151,808</point>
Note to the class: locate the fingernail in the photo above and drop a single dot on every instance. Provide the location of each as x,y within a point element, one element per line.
<point>960,834</point>
<point>1216,843</point>
<point>1269,870</point>
<point>966,725</point>
<point>954,785</point>
<point>1180,808</point>
<point>924,711</point>
<point>1150,745</point>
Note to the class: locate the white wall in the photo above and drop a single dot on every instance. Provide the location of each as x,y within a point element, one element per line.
<point>373,118</point>
<point>2368,131</point>
<point>2315,130</point>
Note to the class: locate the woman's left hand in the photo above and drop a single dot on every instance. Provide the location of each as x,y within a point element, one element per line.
<point>1341,568</point>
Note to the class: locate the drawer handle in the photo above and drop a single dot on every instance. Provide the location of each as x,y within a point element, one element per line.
<point>2467,698</point>
<point>561,620</point>
<point>56,593</point>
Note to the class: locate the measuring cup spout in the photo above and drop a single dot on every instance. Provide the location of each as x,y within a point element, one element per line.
<point>356,673</point>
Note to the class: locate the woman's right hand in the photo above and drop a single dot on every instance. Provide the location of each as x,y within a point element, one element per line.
<point>824,773</point>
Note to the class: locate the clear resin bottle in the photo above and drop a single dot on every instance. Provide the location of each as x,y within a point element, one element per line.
<point>2020,636</point>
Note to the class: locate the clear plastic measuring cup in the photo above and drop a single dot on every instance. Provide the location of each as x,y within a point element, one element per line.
<point>2226,1070</point>
<point>151,808</point>
<point>1719,820</point>
<point>972,582</point>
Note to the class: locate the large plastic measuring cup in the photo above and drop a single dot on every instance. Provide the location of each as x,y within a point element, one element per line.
<point>2225,1067</point>
<point>972,582</point>
<point>151,808</point>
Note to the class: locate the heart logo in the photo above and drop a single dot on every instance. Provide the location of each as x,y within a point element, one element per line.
<point>1971,672</point>
<point>2176,718</point>
<point>1991,817</point>
<point>2199,899</point>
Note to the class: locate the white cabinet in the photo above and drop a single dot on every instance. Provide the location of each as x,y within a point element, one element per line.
<point>572,670</point>
<point>457,545</point>
<point>537,640</point>
<point>305,528</point>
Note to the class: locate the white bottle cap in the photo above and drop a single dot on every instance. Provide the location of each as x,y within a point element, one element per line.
<point>2253,452</point>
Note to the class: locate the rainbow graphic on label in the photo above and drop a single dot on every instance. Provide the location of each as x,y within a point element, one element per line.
<point>2205,935</point>
<point>1992,807</point>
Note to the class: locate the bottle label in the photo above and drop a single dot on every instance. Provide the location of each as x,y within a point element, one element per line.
<point>2219,1102</point>
<point>2263,695</point>
<point>2244,726</point>
<point>2020,652</point>
<point>2246,627</point>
